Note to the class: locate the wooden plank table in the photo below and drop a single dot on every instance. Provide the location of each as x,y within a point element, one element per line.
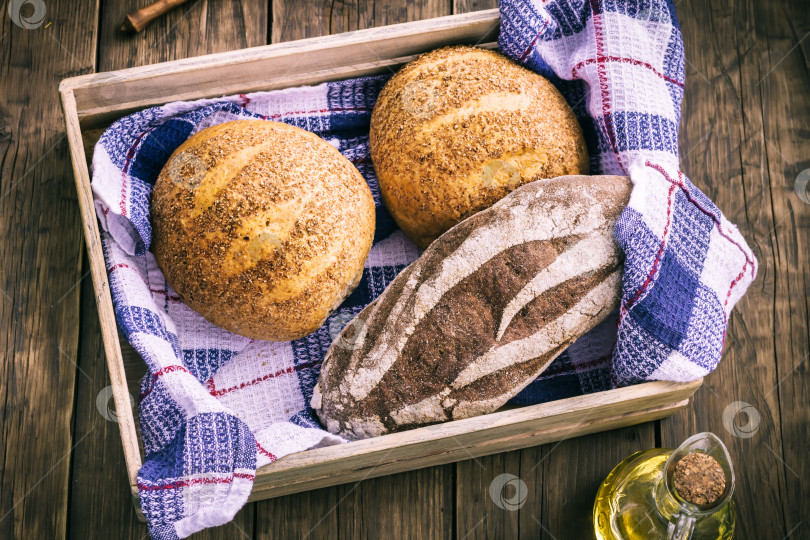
<point>744,141</point>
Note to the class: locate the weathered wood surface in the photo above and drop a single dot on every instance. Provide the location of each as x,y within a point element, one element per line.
<point>40,270</point>
<point>744,141</point>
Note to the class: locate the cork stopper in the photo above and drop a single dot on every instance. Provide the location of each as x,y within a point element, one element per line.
<point>699,478</point>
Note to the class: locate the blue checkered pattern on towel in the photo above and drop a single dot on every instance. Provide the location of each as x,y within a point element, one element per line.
<point>203,408</point>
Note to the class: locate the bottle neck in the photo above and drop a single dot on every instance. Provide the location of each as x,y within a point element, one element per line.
<point>678,516</point>
<point>666,503</point>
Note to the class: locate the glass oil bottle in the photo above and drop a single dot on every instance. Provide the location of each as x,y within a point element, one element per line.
<point>638,499</point>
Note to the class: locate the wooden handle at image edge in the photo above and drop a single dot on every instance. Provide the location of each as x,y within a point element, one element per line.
<point>139,19</point>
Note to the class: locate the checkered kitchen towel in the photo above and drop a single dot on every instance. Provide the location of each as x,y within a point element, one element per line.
<point>214,405</point>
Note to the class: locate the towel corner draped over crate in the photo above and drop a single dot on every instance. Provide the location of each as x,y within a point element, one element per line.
<point>214,406</point>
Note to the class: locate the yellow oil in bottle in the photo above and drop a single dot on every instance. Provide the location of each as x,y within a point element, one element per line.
<point>636,502</point>
<point>626,499</point>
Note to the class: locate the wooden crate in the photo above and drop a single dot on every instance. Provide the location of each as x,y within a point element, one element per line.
<point>91,102</point>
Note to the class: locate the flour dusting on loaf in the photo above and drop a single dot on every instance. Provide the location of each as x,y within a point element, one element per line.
<point>481,313</point>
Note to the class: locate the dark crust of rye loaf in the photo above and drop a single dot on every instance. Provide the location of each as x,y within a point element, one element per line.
<point>543,309</point>
<point>385,303</point>
<point>468,315</point>
<point>463,323</point>
<point>467,320</point>
<point>552,303</point>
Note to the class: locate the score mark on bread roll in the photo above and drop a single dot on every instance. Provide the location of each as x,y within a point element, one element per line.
<point>498,172</point>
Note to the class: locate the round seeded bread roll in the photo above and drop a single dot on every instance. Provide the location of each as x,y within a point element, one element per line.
<point>457,129</point>
<point>261,227</point>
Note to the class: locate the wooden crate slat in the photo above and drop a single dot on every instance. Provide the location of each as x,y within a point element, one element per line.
<point>472,437</point>
<point>102,96</point>
<point>98,271</point>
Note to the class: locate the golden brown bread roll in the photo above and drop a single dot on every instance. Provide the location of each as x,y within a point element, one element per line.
<point>459,128</point>
<point>261,227</point>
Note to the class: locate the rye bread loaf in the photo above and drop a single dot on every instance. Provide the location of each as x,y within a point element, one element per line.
<point>481,313</point>
<point>457,129</point>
